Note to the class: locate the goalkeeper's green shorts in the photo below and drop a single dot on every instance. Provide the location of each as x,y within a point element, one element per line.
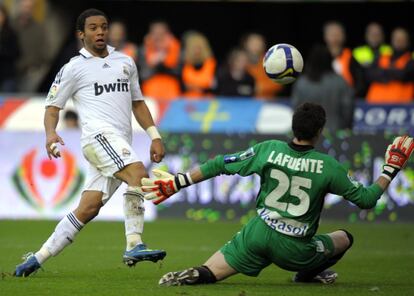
<point>257,246</point>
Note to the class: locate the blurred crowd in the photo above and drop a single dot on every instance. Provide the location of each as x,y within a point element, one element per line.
<point>376,71</point>
<point>24,55</point>
<point>172,67</point>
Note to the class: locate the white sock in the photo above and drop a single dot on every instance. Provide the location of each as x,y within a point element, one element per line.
<point>134,216</point>
<point>63,235</point>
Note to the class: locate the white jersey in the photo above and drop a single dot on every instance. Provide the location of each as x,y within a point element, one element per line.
<point>102,90</point>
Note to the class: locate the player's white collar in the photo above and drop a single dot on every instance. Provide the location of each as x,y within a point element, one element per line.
<point>86,54</point>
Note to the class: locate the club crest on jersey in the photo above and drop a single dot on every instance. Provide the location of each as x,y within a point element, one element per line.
<point>122,85</point>
<point>125,70</point>
<point>353,181</point>
<point>125,152</point>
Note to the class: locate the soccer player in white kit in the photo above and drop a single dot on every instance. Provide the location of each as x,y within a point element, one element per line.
<point>103,84</point>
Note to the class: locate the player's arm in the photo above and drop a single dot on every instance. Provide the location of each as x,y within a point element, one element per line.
<point>144,118</point>
<point>396,157</point>
<point>51,120</point>
<point>61,90</point>
<point>242,163</point>
<point>142,114</point>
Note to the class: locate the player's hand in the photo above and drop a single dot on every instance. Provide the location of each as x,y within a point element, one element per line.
<point>157,150</point>
<point>397,155</point>
<point>399,152</point>
<point>161,187</point>
<point>51,146</point>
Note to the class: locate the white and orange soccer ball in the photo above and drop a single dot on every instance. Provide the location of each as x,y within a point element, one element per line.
<point>283,63</point>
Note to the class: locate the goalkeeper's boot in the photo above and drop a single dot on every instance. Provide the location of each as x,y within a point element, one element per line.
<point>325,277</point>
<point>142,253</point>
<point>29,266</point>
<point>178,278</point>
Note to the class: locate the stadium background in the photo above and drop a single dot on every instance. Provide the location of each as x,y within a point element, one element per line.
<point>224,22</point>
<point>197,130</point>
<point>199,220</point>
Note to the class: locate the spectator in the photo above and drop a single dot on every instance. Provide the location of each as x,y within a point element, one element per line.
<point>68,51</point>
<point>320,84</point>
<point>9,53</point>
<point>32,65</point>
<point>234,79</point>
<point>71,120</point>
<point>118,38</point>
<point>368,53</point>
<point>198,74</point>
<point>159,60</point>
<point>391,75</point>
<point>255,46</point>
<point>344,64</point>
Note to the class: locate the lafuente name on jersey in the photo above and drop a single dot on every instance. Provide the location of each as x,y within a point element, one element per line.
<point>120,85</point>
<point>297,164</point>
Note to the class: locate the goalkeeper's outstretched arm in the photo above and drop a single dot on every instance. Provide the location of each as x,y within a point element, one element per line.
<point>383,183</point>
<point>166,184</point>
<point>243,163</point>
<point>396,158</point>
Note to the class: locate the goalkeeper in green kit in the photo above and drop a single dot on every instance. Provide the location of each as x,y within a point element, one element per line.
<point>294,181</point>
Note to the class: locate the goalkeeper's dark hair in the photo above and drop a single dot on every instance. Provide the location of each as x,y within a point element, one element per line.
<point>80,22</point>
<point>308,119</point>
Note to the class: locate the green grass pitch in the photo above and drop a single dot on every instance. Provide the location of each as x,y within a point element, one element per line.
<point>381,261</point>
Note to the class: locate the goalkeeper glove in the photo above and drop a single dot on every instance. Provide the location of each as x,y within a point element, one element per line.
<point>164,185</point>
<point>396,156</point>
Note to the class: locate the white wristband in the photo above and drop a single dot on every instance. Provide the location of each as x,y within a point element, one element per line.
<point>153,133</point>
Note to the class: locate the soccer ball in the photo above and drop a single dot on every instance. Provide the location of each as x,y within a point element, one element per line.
<point>283,63</point>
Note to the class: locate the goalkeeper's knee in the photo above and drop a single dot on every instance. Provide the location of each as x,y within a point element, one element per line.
<point>350,238</point>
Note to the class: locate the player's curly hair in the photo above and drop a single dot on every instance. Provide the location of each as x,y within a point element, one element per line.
<point>308,120</point>
<point>80,22</point>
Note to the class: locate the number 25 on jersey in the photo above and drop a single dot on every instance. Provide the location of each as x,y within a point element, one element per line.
<point>289,188</point>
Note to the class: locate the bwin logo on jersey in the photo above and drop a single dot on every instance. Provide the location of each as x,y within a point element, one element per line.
<point>120,85</point>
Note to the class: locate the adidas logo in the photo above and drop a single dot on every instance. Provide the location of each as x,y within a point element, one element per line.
<point>106,66</point>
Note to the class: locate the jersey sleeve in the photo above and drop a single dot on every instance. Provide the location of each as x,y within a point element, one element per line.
<point>342,184</point>
<point>242,163</point>
<point>62,88</point>
<point>136,93</point>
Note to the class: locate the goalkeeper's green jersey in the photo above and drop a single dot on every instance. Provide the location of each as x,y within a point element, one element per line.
<point>294,182</point>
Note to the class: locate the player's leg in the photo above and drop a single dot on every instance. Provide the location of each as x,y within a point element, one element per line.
<point>240,255</point>
<point>342,241</point>
<point>214,269</point>
<point>89,205</point>
<point>219,267</point>
<point>133,202</point>
<point>117,161</point>
<point>134,210</point>
<point>64,233</point>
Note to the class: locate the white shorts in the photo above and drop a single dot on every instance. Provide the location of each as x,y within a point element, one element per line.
<point>107,153</point>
